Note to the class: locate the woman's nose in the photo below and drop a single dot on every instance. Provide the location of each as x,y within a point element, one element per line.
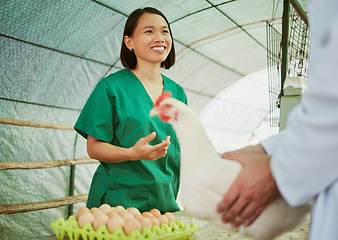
<point>158,38</point>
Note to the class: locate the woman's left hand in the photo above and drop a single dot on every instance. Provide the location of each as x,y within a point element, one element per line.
<point>142,149</point>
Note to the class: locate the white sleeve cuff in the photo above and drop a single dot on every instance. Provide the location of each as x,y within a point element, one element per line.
<point>271,144</point>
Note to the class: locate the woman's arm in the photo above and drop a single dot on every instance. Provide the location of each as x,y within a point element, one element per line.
<point>106,152</point>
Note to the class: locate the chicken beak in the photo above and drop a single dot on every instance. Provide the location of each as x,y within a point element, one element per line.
<point>154,112</point>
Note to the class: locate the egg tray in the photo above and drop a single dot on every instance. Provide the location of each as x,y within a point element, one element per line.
<point>171,231</point>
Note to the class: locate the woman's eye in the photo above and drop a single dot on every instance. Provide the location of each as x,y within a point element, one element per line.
<point>149,31</point>
<point>166,31</point>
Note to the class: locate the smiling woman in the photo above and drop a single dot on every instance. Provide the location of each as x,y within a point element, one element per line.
<point>137,167</point>
<point>151,43</point>
<point>148,39</point>
<point>143,21</point>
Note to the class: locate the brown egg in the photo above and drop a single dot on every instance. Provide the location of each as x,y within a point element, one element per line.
<point>85,218</point>
<point>81,211</point>
<point>105,208</point>
<point>155,212</point>
<point>111,214</point>
<point>100,220</point>
<point>97,212</point>
<point>115,222</point>
<point>134,211</point>
<point>127,216</point>
<point>147,214</point>
<point>138,217</point>
<point>131,225</point>
<point>146,222</point>
<point>170,216</point>
<point>154,221</point>
<point>162,219</point>
<point>118,208</point>
<point>93,209</point>
<point>122,212</point>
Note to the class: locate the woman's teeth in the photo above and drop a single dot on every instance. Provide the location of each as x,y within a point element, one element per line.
<point>158,48</point>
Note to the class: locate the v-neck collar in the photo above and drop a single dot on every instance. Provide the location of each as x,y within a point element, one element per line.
<point>144,89</point>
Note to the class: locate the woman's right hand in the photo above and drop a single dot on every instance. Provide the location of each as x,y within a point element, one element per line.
<point>142,150</point>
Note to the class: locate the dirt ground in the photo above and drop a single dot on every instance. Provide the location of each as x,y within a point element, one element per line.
<point>211,232</point>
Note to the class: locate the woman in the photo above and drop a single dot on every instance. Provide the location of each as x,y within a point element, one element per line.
<point>137,166</point>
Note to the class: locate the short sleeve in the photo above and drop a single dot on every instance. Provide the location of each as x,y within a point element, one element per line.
<point>185,99</point>
<point>97,116</point>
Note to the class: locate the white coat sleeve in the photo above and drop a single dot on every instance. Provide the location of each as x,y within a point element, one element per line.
<point>306,161</point>
<point>271,144</point>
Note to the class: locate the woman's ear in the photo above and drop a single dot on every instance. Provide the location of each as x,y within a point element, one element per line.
<point>128,42</point>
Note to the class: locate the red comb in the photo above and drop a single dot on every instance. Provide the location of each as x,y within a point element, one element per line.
<point>162,97</point>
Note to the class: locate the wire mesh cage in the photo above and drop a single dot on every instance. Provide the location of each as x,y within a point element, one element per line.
<point>274,46</point>
<point>297,55</point>
<point>298,49</point>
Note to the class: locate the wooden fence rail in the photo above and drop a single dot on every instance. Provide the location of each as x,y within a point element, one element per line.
<point>41,205</point>
<point>35,124</point>
<point>47,164</point>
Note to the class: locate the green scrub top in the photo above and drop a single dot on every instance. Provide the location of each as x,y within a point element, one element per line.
<point>117,112</point>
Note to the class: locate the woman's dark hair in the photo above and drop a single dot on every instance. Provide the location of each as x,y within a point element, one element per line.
<point>128,57</point>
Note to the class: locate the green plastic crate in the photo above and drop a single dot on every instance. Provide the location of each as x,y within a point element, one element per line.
<point>171,231</point>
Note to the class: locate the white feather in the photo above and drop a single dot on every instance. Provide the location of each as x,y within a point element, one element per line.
<point>205,178</point>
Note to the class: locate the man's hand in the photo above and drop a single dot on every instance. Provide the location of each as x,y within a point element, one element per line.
<point>237,155</point>
<point>253,190</point>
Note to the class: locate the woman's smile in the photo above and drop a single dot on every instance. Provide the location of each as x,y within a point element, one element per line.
<point>159,49</point>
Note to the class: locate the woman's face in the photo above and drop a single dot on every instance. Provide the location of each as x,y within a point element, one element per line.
<point>151,40</point>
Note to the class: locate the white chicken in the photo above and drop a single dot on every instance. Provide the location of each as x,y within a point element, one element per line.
<point>205,176</point>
